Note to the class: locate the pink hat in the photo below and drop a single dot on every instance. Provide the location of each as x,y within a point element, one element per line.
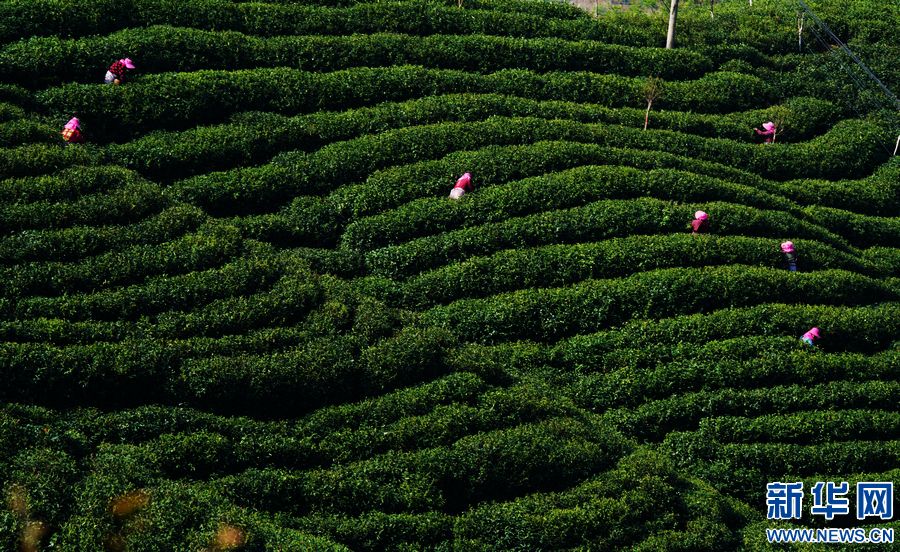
<point>813,333</point>
<point>700,215</point>
<point>128,63</point>
<point>73,123</point>
<point>769,126</point>
<point>787,247</point>
<point>464,180</point>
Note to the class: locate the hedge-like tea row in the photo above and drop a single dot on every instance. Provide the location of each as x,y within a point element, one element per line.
<point>133,201</point>
<point>22,19</point>
<point>297,173</point>
<point>593,222</point>
<point>182,292</point>
<point>550,314</point>
<point>618,508</point>
<point>457,387</point>
<point>878,194</point>
<point>68,185</point>
<point>197,450</point>
<point>209,247</point>
<point>252,137</point>
<point>630,387</point>
<point>864,329</point>
<point>42,159</point>
<point>142,370</point>
<point>861,230</point>
<point>559,265</point>
<point>322,372</point>
<point>52,60</point>
<point>803,427</point>
<point>15,133</point>
<point>803,460</point>
<point>208,96</point>
<point>492,465</point>
<point>653,420</point>
<point>318,221</point>
<point>70,244</point>
<point>444,425</point>
<point>569,188</point>
<point>10,112</point>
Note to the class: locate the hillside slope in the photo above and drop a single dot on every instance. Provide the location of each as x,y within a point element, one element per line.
<point>244,315</point>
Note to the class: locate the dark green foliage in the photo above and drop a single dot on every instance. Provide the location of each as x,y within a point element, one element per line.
<point>246,316</point>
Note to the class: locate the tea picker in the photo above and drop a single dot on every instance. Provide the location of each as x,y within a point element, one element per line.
<point>462,187</point>
<point>790,256</point>
<point>811,337</point>
<point>71,133</point>
<point>700,224</point>
<point>116,72</point>
<point>770,130</point>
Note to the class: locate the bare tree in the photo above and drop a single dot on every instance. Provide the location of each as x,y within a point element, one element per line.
<point>653,90</point>
<point>673,15</point>
<point>781,116</point>
<point>800,18</point>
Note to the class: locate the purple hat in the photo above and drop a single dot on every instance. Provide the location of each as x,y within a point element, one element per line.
<point>128,63</point>
<point>73,123</point>
<point>787,247</point>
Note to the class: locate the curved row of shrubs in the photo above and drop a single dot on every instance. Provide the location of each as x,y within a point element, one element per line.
<point>550,314</point>
<point>292,174</point>
<point>133,201</point>
<point>877,194</point>
<point>654,420</point>
<point>560,190</point>
<point>209,96</point>
<point>180,292</point>
<point>319,221</point>
<point>69,185</point>
<point>492,465</point>
<point>807,427</point>
<point>560,265</point>
<point>589,223</point>
<point>22,19</point>
<point>252,137</point>
<point>864,329</point>
<point>209,247</point>
<point>629,387</point>
<point>52,60</point>
<point>78,242</point>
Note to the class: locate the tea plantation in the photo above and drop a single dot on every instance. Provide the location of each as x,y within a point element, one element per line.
<point>244,314</point>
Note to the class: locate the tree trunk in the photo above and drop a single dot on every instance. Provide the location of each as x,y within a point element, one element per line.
<point>673,14</point>
<point>647,114</point>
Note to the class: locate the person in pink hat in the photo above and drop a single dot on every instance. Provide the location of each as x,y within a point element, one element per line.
<point>811,337</point>
<point>462,187</point>
<point>116,73</point>
<point>790,256</point>
<point>700,224</point>
<point>770,130</point>
<point>71,133</point>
